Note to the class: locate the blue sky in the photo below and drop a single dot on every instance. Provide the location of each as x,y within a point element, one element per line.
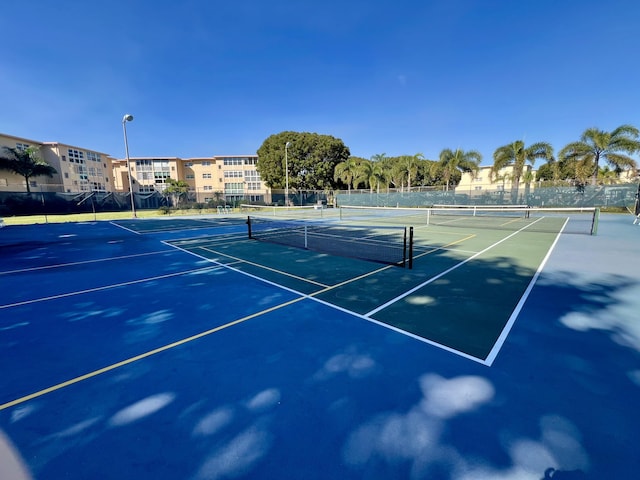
<point>205,77</point>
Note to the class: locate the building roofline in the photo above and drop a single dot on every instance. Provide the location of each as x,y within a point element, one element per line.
<point>22,138</point>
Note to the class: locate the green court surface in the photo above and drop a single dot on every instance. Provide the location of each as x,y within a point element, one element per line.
<point>456,274</point>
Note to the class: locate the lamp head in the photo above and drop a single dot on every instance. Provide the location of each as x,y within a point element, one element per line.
<point>127,118</point>
<point>287,145</point>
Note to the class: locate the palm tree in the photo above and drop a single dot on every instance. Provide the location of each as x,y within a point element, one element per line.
<point>364,173</point>
<point>608,176</point>
<point>450,161</point>
<point>347,171</point>
<point>410,165</point>
<point>378,176</point>
<point>177,189</point>
<point>379,157</point>
<point>25,163</point>
<point>517,155</point>
<point>596,145</point>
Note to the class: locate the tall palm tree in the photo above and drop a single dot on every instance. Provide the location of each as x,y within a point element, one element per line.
<point>25,163</point>
<point>596,145</point>
<point>410,165</point>
<point>517,155</point>
<point>451,160</point>
<point>378,176</point>
<point>347,171</point>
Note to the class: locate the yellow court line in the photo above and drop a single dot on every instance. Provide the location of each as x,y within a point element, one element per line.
<point>435,249</point>
<point>373,272</point>
<point>265,267</point>
<point>143,355</point>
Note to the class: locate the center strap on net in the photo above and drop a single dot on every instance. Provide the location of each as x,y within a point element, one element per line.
<point>383,244</point>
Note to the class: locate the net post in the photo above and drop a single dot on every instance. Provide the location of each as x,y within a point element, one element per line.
<point>594,221</point>
<point>410,248</point>
<point>249,226</point>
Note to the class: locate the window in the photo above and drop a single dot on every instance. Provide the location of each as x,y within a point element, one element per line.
<point>251,161</point>
<point>206,175</point>
<point>253,185</point>
<point>206,163</point>
<point>233,174</point>
<point>160,177</point>
<point>207,187</point>
<point>190,176</point>
<point>251,176</point>
<point>75,156</point>
<point>233,161</point>
<point>188,164</point>
<point>21,147</point>
<point>92,156</point>
<point>233,188</point>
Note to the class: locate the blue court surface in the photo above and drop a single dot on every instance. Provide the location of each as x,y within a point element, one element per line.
<point>151,349</point>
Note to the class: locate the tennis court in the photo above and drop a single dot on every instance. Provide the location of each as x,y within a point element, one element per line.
<point>182,348</point>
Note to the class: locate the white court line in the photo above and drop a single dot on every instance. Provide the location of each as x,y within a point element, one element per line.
<point>124,228</point>
<point>84,262</point>
<point>106,287</point>
<point>336,307</point>
<point>264,267</point>
<point>442,274</point>
<point>512,319</point>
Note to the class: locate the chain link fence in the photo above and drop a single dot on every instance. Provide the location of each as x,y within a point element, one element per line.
<point>622,195</point>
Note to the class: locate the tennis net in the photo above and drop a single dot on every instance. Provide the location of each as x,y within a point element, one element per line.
<point>551,220</point>
<point>297,211</point>
<point>383,244</point>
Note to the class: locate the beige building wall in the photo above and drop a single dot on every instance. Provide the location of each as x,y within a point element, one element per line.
<point>211,179</point>
<point>10,182</point>
<point>78,169</point>
<point>483,183</point>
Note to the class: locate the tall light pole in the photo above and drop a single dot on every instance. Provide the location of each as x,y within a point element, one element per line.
<point>286,174</point>
<point>127,118</point>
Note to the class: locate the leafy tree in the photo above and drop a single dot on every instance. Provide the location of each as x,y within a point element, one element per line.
<point>176,189</point>
<point>458,160</point>
<point>311,160</point>
<point>595,145</point>
<point>25,163</point>
<point>517,155</point>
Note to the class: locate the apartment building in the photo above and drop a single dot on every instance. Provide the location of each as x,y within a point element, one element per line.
<point>77,169</point>
<point>483,183</point>
<point>232,178</point>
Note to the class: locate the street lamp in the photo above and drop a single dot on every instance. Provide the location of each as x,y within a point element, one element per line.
<point>127,118</point>
<point>286,174</point>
